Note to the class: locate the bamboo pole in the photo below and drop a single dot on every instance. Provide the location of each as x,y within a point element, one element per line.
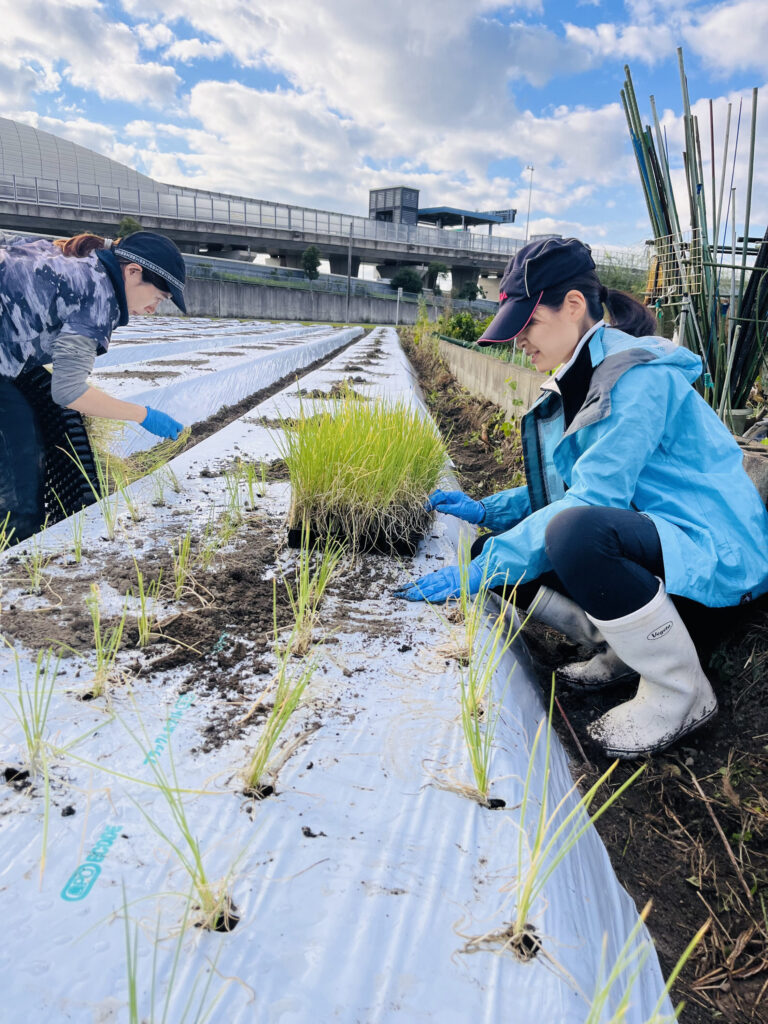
<point>748,200</point>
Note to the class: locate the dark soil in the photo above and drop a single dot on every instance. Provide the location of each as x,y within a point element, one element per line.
<point>144,374</point>
<point>484,446</point>
<point>661,835</point>
<point>230,413</point>
<point>224,629</point>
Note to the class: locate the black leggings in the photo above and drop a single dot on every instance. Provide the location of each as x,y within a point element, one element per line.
<point>22,462</point>
<point>609,561</point>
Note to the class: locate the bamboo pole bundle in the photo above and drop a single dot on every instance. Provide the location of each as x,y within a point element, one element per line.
<point>721,294</point>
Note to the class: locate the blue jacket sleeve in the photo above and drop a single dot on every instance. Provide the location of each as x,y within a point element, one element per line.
<point>615,450</point>
<point>505,509</point>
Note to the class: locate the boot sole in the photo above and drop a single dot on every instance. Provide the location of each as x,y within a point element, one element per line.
<point>584,687</point>
<point>628,755</point>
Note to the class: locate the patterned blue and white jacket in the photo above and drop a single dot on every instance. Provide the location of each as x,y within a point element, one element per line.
<point>45,295</point>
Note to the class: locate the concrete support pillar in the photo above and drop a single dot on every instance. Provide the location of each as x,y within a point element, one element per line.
<point>461,276</point>
<point>292,260</point>
<point>387,270</point>
<point>339,265</point>
<point>490,286</point>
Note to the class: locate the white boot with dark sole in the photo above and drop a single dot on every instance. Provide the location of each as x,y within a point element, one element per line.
<point>603,669</point>
<point>674,696</point>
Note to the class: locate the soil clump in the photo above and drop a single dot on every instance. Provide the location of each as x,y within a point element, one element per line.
<point>692,833</point>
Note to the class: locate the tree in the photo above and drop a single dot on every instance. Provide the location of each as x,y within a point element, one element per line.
<point>470,291</point>
<point>310,261</point>
<point>434,270</point>
<point>127,226</point>
<point>407,279</point>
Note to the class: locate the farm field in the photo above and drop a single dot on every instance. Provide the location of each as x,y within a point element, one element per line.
<point>147,874</point>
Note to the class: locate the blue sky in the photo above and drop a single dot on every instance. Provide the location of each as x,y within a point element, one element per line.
<point>316,102</point>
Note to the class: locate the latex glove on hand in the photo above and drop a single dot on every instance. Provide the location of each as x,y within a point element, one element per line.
<point>438,586</point>
<point>161,423</point>
<point>457,503</point>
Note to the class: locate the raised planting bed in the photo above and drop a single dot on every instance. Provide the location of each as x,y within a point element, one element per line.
<point>371,883</point>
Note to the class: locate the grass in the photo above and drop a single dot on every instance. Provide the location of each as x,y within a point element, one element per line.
<point>310,583</point>
<point>106,642</point>
<point>361,470</point>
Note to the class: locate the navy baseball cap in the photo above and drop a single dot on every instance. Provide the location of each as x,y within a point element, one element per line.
<point>160,256</point>
<point>534,268</point>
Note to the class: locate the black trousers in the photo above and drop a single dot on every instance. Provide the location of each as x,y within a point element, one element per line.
<point>609,561</point>
<point>22,462</point>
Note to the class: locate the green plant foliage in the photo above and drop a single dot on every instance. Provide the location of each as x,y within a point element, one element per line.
<point>470,291</point>
<point>361,470</point>
<point>407,279</point>
<point>310,261</point>
<point>127,226</point>
<point>435,270</point>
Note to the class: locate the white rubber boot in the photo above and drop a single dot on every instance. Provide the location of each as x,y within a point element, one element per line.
<point>673,697</point>
<point>603,669</point>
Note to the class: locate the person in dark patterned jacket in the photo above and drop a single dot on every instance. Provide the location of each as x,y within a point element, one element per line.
<point>59,304</point>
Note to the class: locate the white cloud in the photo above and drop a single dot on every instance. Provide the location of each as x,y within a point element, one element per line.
<point>75,39</point>
<point>732,35</point>
<point>187,50</point>
<point>154,36</point>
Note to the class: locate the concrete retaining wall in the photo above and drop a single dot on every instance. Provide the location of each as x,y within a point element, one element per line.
<point>205,297</point>
<point>487,377</point>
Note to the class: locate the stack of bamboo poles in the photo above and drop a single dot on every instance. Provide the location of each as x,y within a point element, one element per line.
<point>721,291</point>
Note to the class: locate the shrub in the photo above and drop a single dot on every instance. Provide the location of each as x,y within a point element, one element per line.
<point>407,279</point>
<point>127,226</point>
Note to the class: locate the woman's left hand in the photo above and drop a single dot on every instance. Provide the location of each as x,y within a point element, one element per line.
<point>438,586</point>
<point>161,424</point>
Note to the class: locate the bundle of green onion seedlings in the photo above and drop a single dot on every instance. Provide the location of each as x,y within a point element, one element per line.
<point>361,470</point>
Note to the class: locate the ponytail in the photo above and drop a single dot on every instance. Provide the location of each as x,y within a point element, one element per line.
<point>625,313</point>
<point>628,315</point>
<point>83,245</point>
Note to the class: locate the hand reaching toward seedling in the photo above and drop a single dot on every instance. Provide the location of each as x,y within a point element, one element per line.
<point>439,586</point>
<point>457,503</point>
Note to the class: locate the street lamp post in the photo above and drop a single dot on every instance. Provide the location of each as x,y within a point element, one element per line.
<point>529,167</point>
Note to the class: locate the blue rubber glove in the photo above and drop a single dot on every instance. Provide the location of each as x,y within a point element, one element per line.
<point>438,586</point>
<point>459,504</point>
<point>161,423</point>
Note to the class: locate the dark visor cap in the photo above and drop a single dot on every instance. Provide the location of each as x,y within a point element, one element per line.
<point>534,268</point>
<point>160,256</point>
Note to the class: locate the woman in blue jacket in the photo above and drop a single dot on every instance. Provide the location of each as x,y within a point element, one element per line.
<point>635,491</point>
<point>59,303</point>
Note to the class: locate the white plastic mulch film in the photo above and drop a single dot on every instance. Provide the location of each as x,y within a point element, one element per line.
<point>363,884</point>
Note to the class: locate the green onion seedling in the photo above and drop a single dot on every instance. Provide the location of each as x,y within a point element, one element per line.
<point>106,644</point>
<point>199,1002</point>
<point>555,833</point>
<point>626,970</point>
